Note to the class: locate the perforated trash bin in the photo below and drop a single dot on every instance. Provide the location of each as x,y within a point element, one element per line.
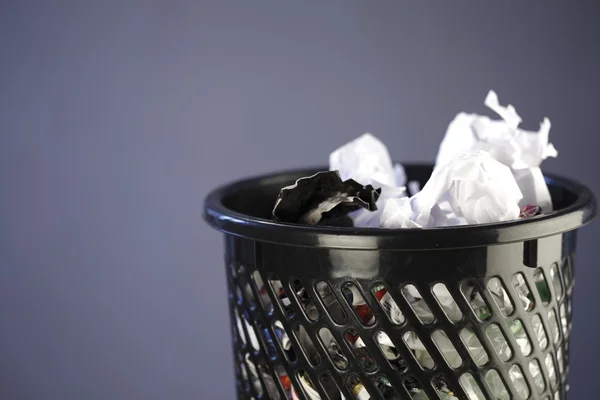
<point>470,312</point>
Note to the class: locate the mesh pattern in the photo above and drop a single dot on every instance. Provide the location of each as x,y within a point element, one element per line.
<point>468,333</point>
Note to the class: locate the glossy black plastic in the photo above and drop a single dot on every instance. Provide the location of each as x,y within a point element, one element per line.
<point>244,208</point>
<point>262,255</point>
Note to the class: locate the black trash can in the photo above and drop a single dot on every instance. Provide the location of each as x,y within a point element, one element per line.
<point>470,312</point>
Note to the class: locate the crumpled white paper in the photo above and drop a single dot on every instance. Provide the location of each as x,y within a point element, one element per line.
<point>367,160</point>
<point>397,214</point>
<point>522,151</point>
<point>474,188</point>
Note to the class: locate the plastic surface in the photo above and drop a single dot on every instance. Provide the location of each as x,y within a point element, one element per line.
<point>533,261</point>
<point>243,208</point>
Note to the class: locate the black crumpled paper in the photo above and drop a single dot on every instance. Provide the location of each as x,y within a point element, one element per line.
<point>323,196</point>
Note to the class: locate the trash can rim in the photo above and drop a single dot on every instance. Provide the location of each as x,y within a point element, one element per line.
<point>582,211</point>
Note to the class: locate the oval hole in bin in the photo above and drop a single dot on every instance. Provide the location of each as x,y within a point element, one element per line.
<point>263,292</point>
<point>563,319</point>
<point>476,302</point>
<point>308,347</point>
<point>540,332</point>
<point>253,376</point>
<point>251,332</point>
<point>518,331</point>
<point>445,346</point>
<point>357,302</point>
<point>337,358</point>
<point>549,362</point>
<point>557,395</point>
<point>305,300</point>
<point>361,352</point>
<point>418,350</point>
<point>232,270</point>
<point>442,387</point>
<point>385,388</point>
<point>518,380</point>
<point>282,296</point>
<point>267,340</point>
<point>284,341</point>
<point>471,388</point>
<point>330,387</point>
<point>447,302</point>
<point>236,367</point>
<point>239,298</point>
<point>331,303</point>
<point>523,292</point>
<point>234,333</point>
<point>284,380</point>
<point>357,389</point>
<point>541,284</point>
<point>474,346</point>
<point>249,296</point>
<point>538,377</point>
<point>556,283</point>
<point>269,382</point>
<point>307,386</point>
<point>500,296</point>
<point>389,351</point>
<point>566,272</point>
<point>244,375</point>
<point>497,386</point>
<point>498,341</point>
<point>560,362</point>
<point>418,304</point>
<point>240,327</point>
<point>388,304</point>
<point>414,387</point>
<point>553,324</point>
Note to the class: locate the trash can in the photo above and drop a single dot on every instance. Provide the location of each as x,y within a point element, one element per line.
<point>467,312</point>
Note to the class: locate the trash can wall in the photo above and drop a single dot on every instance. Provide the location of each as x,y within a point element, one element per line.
<point>487,321</point>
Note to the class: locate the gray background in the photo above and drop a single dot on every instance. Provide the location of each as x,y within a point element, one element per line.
<point>116,118</point>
